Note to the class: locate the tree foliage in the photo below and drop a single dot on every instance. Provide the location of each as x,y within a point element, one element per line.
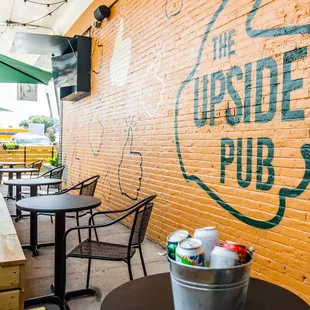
<point>39,119</point>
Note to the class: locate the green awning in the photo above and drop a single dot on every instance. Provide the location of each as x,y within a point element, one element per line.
<point>14,71</point>
<point>4,110</point>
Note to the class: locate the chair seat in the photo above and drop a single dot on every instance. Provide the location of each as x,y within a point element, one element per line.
<point>25,192</point>
<point>40,192</point>
<point>101,250</point>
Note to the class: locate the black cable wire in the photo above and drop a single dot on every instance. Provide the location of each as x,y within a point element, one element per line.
<point>12,9</point>
<point>47,4</point>
<point>48,14</point>
<point>71,48</point>
<point>12,24</point>
<point>2,32</point>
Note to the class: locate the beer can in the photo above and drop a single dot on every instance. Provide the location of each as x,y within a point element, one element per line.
<point>209,238</point>
<point>173,239</point>
<point>239,248</point>
<point>223,258</point>
<point>190,252</point>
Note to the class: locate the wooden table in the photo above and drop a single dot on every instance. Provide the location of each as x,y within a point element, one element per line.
<point>18,172</point>
<point>12,263</point>
<point>58,204</point>
<point>154,293</point>
<point>33,184</point>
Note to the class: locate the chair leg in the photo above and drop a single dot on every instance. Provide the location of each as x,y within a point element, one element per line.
<point>142,260</point>
<point>88,273</point>
<point>78,224</point>
<point>129,270</point>
<point>52,219</point>
<point>95,229</point>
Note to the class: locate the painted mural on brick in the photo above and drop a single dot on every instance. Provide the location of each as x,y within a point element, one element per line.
<point>244,106</point>
<point>130,164</point>
<point>206,104</point>
<point>106,187</point>
<point>120,61</point>
<point>96,128</point>
<point>173,8</point>
<point>97,52</point>
<point>75,163</point>
<point>152,85</point>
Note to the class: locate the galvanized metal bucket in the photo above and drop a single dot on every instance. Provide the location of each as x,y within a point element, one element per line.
<point>197,288</point>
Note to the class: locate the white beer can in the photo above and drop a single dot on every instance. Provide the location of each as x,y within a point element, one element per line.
<point>190,252</point>
<point>209,238</point>
<point>223,258</point>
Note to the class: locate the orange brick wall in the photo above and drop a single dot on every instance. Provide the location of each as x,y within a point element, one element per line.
<point>206,104</point>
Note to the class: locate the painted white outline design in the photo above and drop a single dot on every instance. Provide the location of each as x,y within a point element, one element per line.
<point>158,52</point>
<point>120,62</point>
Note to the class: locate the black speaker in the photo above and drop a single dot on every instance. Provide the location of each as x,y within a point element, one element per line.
<point>102,12</point>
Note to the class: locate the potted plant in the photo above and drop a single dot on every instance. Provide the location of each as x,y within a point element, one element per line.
<point>10,145</point>
<point>52,162</point>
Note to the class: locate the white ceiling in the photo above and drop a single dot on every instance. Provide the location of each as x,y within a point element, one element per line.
<point>24,12</point>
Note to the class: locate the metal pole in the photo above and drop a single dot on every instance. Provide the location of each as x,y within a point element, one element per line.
<point>25,155</point>
<point>60,116</point>
<point>48,102</point>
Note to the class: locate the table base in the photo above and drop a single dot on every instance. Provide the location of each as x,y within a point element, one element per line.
<point>18,217</point>
<point>9,197</point>
<point>52,299</point>
<point>63,304</point>
<point>34,248</point>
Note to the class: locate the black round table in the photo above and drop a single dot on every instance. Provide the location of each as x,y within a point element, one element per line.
<point>33,184</point>
<point>58,204</point>
<point>154,292</point>
<point>18,172</point>
<point>11,164</point>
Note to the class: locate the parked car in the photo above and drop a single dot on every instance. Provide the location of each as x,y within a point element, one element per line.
<point>31,139</point>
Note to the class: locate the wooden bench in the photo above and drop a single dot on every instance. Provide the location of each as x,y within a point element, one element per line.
<point>12,263</point>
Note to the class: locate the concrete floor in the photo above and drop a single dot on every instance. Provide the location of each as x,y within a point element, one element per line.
<point>105,276</point>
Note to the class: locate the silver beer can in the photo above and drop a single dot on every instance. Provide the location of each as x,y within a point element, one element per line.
<point>173,239</point>
<point>223,258</point>
<point>209,238</point>
<point>190,252</point>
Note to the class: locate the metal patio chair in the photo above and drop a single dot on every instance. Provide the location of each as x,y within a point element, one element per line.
<point>36,165</point>
<point>55,173</point>
<point>86,188</point>
<point>92,249</point>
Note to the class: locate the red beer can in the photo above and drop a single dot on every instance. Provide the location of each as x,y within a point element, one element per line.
<point>239,248</point>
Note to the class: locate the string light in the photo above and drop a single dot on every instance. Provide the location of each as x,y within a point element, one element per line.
<point>11,24</point>
<point>47,4</point>
<point>48,14</point>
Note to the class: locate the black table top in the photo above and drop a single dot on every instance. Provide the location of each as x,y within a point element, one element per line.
<point>154,292</point>
<point>3,163</point>
<point>32,182</point>
<point>58,203</point>
<point>19,170</point>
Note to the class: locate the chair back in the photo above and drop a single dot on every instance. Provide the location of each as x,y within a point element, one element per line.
<point>56,173</point>
<point>86,187</point>
<point>36,165</point>
<point>141,221</point>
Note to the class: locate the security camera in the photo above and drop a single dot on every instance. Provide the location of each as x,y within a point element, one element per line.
<point>102,12</point>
